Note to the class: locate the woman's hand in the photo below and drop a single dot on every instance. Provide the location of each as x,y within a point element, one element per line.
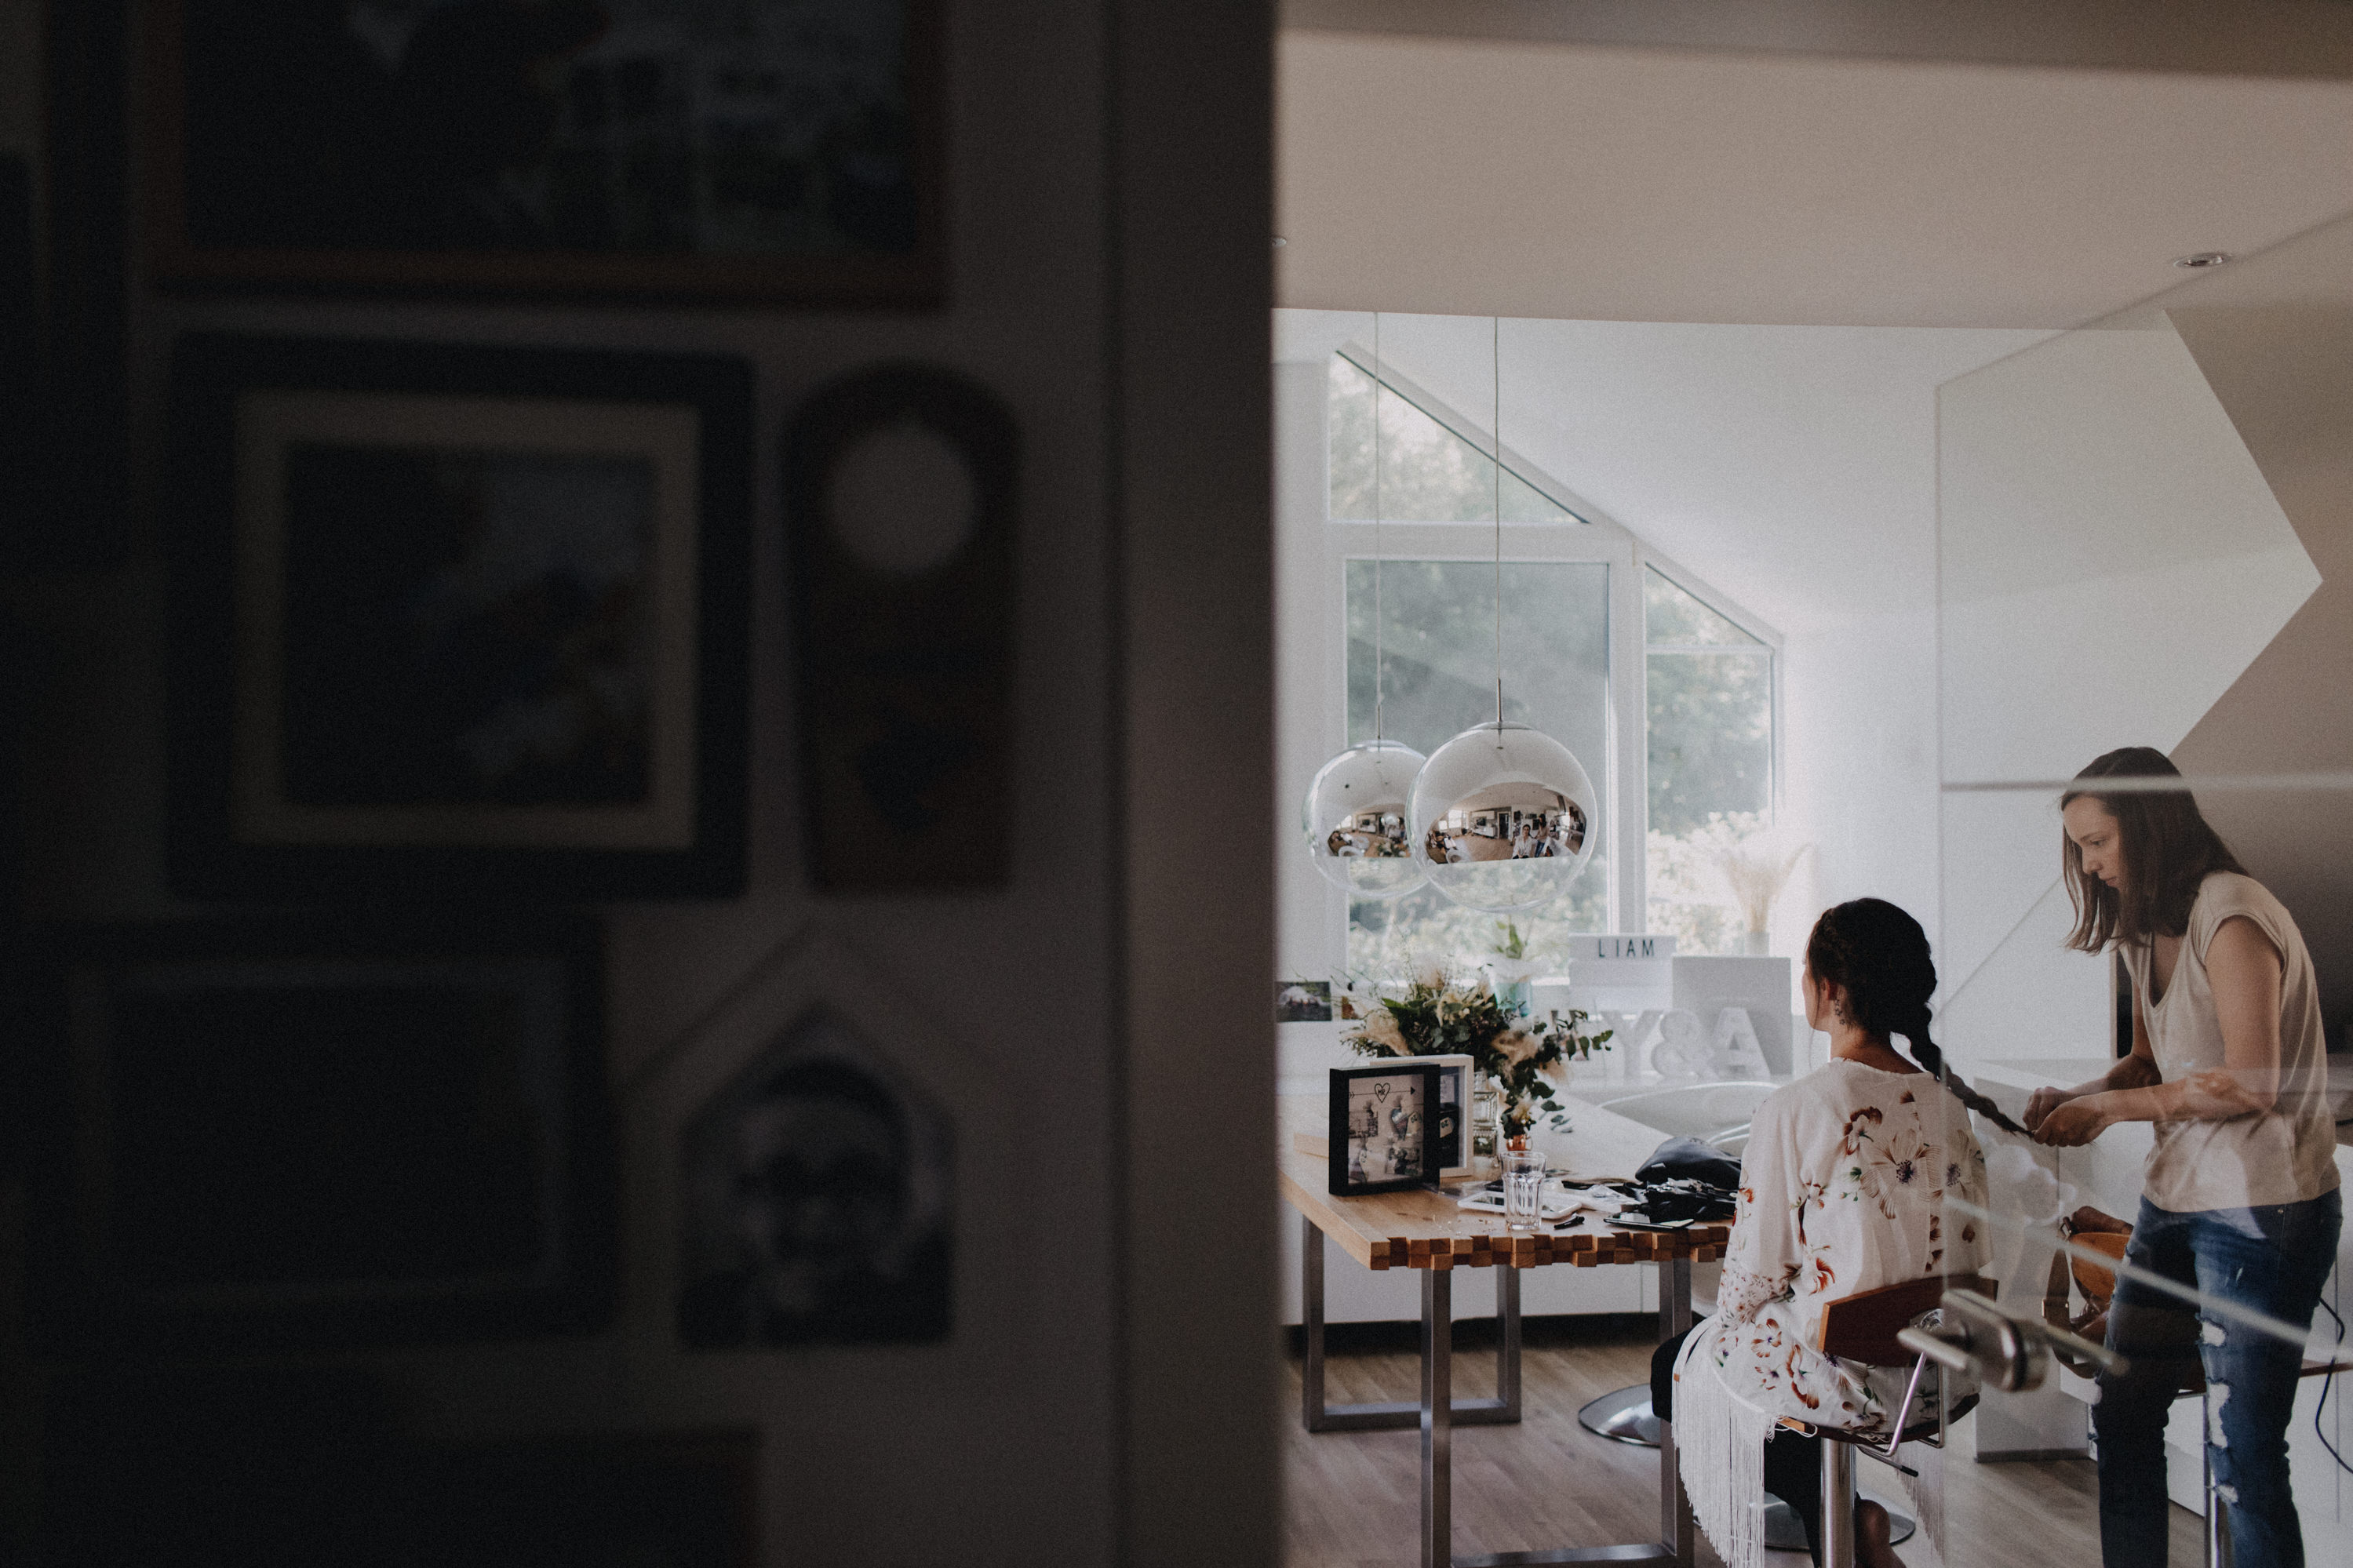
<point>2045,1100</point>
<point>2076,1121</point>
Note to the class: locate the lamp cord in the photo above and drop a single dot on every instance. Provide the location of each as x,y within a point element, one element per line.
<point>1496,358</point>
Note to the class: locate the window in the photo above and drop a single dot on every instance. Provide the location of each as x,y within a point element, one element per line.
<point>1431,472</point>
<point>1710,736</point>
<point>1578,591</point>
<point>1440,658</point>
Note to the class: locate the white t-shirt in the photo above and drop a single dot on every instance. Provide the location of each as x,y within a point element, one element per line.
<point>2287,1153</point>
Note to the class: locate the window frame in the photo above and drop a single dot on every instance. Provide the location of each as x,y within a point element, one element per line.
<point>1593,537</point>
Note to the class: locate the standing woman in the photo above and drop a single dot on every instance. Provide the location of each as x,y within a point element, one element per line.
<point>2239,1198</point>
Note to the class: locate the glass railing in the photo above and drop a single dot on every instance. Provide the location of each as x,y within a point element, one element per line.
<point>2146,540</point>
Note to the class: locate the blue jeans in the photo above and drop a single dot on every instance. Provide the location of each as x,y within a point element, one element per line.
<point>2274,1259</point>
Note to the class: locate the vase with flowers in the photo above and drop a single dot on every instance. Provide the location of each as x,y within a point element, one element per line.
<point>1511,966</point>
<point>1519,1059</point>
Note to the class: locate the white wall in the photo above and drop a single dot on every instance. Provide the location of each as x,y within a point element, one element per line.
<point>1860,762</point>
<point>2111,560</point>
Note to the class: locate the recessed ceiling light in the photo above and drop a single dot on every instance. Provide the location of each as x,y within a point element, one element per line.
<point>2202,259</point>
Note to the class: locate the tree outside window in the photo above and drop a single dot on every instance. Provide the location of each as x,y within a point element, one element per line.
<point>1710,735</point>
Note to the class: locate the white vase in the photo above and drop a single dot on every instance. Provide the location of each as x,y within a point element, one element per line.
<point>1757,943</point>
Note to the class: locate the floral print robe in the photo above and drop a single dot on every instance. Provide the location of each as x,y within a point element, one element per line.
<point>1841,1189</point>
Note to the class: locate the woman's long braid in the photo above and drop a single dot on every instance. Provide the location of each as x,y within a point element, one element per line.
<point>1931,1058</point>
<point>1880,955</point>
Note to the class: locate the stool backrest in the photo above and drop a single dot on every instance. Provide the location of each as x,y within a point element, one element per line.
<point>1862,1327</point>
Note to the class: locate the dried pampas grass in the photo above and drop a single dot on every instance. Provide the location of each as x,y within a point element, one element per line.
<point>1754,870</point>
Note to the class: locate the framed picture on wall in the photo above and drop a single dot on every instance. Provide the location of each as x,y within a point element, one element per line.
<point>456,623</point>
<point>761,152</point>
<point>320,1132</point>
<point>1384,1127</point>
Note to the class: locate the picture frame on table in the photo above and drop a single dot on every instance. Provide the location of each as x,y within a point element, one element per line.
<point>1383,1131</point>
<point>319,1133</point>
<point>457,622</point>
<point>768,152</point>
<point>1453,1115</point>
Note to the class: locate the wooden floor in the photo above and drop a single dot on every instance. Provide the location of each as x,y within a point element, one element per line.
<point>1353,1499</point>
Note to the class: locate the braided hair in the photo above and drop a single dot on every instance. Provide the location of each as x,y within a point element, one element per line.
<point>1879,955</point>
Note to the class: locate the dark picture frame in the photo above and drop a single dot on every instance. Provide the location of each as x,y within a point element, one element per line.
<point>578,148</point>
<point>457,623</point>
<point>318,1132</point>
<point>1406,1088</point>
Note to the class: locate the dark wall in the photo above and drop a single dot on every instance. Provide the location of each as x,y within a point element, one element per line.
<point>1108,283</point>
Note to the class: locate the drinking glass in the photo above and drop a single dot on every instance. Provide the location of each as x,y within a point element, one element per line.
<point>1523,1178</point>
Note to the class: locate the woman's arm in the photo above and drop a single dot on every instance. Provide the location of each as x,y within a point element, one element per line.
<point>2135,1070</point>
<point>2244,972</point>
<point>1761,1257</point>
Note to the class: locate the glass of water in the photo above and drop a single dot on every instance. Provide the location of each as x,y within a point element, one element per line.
<point>1523,1178</point>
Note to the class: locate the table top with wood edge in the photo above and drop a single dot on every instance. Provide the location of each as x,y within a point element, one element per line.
<point>1424,1229</point>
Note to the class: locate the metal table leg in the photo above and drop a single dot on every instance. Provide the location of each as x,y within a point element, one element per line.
<point>1395,1415</point>
<point>1437,1418</point>
<point>1676,1531</point>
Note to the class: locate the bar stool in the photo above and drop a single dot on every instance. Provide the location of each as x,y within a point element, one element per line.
<point>1862,1328</point>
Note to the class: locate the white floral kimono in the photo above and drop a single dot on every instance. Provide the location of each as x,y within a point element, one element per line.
<point>1841,1189</point>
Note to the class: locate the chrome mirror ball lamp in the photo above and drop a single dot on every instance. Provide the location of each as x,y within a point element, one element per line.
<point>1356,820</point>
<point>1501,816</point>
<point>1355,814</point>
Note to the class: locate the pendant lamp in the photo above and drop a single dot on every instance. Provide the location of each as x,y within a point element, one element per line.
<point>1501,816</point>
<point>1356,812</point>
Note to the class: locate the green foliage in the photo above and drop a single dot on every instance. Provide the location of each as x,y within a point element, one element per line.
<point>1429,473</point>
<point>1439,1015</point>
<point>1711,738</point>
<point>1672,615</point>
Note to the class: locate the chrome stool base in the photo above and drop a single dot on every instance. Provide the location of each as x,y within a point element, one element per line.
<point>1784,1533</point>
<point>1624,1416</point>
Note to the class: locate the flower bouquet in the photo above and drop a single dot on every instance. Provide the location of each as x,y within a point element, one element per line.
<point>1443,1013</point>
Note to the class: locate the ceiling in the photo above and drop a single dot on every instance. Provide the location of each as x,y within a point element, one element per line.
<point>1478,177</point>
<point>1793,467</point>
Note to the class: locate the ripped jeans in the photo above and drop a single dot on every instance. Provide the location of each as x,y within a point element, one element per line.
<point>2274,1259</point>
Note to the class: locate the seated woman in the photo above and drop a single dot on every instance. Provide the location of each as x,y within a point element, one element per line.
<point>1841,1189</point>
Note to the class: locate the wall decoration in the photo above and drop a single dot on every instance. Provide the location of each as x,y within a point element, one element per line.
<point>901,485</point>
<point>321,1132</point>
<point>816,1201</point>
<point>807,1163</point>
<point>1303,1001</point>
<point>1384,1128</point>
<point>768,150</point>
<point>457,623</point>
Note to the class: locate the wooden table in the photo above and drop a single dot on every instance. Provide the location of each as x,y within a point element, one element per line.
<point>1427,1231</point>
